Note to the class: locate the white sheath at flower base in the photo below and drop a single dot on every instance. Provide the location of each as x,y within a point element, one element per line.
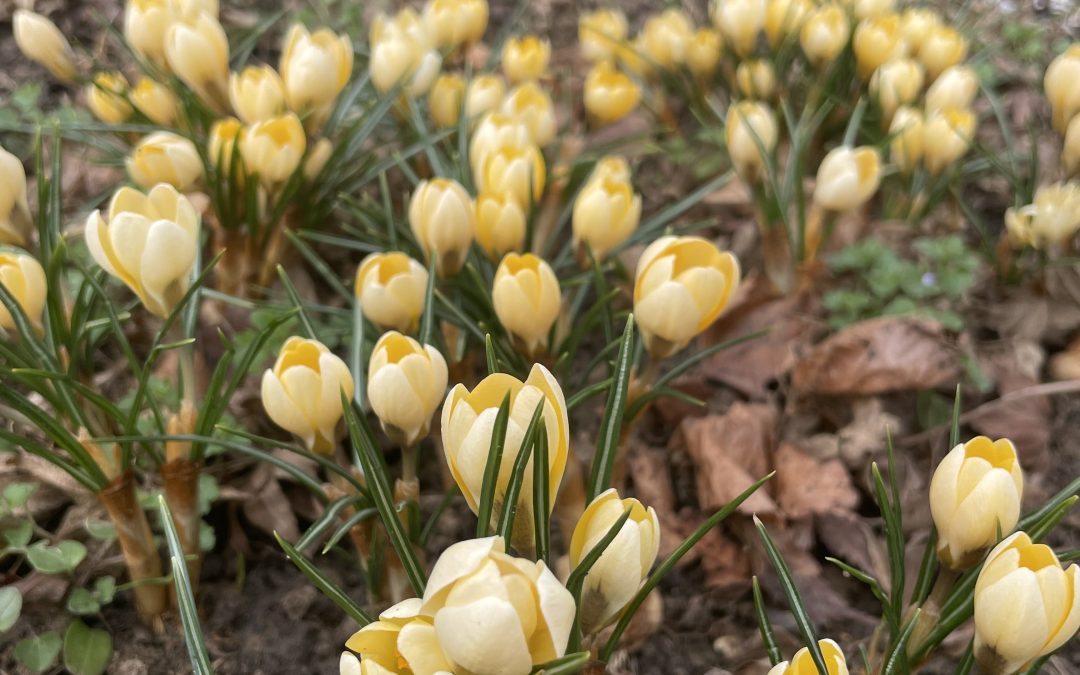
<point>302,392</point>
<point>148,241</point>
<point>315,67</point>
<point>41,41</point>
<point>406,383</point>
<point>847,178</point>
<point>391,287</point>
<point>443,219</point>
<point>402,642</point>
<point>803,664</point>
<point>15,221</point>
<point>165,157</point>
<point>527,300</point>
<point>24,278</point>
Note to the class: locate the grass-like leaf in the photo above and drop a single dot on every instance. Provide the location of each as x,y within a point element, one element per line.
<point>326,520</point>
<point>541,496</point>
<point>505,526</point>
<point>576,581</point>
<point>427,321</point>
<point>896,662</point>
<point>571,663</point>
<point>189,615</point>
<point>491,469</point>
<point>328,588</point>
<point>768,638</point>
<point>607,445</point>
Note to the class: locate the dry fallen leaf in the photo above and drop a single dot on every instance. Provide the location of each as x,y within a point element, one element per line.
<point>1026,422</point>
<point>806,487</point>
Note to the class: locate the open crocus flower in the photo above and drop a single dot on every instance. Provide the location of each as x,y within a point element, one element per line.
<point>847,178</point>
<point>401,642</point>
<point>406,382</point>
<point>23,277</point>
<point>302,392</point>
<point>273,149</point>
<point>1050,220</point>
<point>391,288</point>
<point>149,242</point>
<point>803,664</point>
<point>495,614</point>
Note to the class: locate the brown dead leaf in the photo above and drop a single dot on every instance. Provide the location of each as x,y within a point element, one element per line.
<point>1026,421</point>
<point>877,356</point>
<point>865,435</point>
<point>807,487</point>
<point>851,539</point>
<point>266,505</point>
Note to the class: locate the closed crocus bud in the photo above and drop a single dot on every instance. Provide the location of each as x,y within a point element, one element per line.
<point>606,212</point>
<point>1026,605</point>
<point>198,53</point>
<point>803,663</point>
<point>947,136</point>
<point>906,146</point>
<point>495,614</point>
<point>525,59</point>
<point>615,577</point>
<point>784,18</point>
<point>750,127</point>
<point>156,101</point>
<point>915,24</point>
<point>406,383</point>
<point>106,97</point>
<point>15,221</point>
<point>273,149</point>
<point>517,172</point>
<point>527,300</point>
<point>22,276</point>
<point>871,9</point>
<point>1060,86</point>
<point>257,93</point>
<point>1070,149</point>
<point>442,220</point>
<point>453,23</point>
<point>703,52</point>
<point>825,34</point>
<point>500,224</point>
<point>1050,220</point>
<point>613,167</point>
<point>847,178</point>
<point>876,42</point>
<point>682,285</point>
<point>302,392</point>
<point>484,94</point>
<point>756,79</point>
<point>495,132</point>
<point>391,288</point>
<point>222,146</point>
<point>740,21</point>
<point>317,158</point>
<point>402,641</point>
<point>610,94</point>
<point>896,83</point>
<point>406,58</point>
<point>954,88</point>
<point>146,22</point>
<point>665,37</point>
<point>165,157</point>
<point>445,99</point>
<point>942,48</point>
<point>314,67</point>
<point>149,242</point>
<point>42,42</point>
<point>600,32</point>
<point>974,495</point>
<point>531,105</point>
<point>467,421</point>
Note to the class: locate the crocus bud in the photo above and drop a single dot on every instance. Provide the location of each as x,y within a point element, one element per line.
<point>406,22</point>
<point>146,23</point>
<point>273,149</point>
<point>222,146</point>
<point>156,101</point>
<point>484,94</point>
<point>518,172</point>
<point>165,157</point>
<point>847,178</point>
<point>870,9</point>
<point>406,383</point>
<point>15,221</point>
<point>467,421</point>
<point>703,52</point>
<point>600,32</point>
<point>106,97</point>
<point>1026,605</point>
<point>803,664</point>
<point>391,289</point>
<point>1052,219</point>
<point>947,137</point>
<point>495,132</point>
<point>896,83</point>
<point>975,493</point>
<point>954,88</point>
<point>916,23</point>
<point>876,42</point>
<point>825,34</point>
<point>525,59</point>
<point>606,212</point>
<point>740,21</point>
<point>500,224</point>
<point>784,18</point>
<point>750,128</point>
<point>527,300</point>
<point>610,94</point>
<point>445,99</point>
<point>42,42</point>
<point>317,158</point>
<point>1070,149</point>
<point>1060,86</point>
<point>402,640</point>
<point>442,220</point>
<point>942,48</point>
<point>453,23</point>
<point>23,277</point>
<point>531,105</point>
<point>257,93</point>
<point>149,242</point>
<point>756,79</point>
<point>315,67</point>
<point>406,58</point>
<point>906,146</point>
<point>477,592</point>
<point>615,577</point>
<point>198,52</point>
<point>302,392</point>
<point>665,36</point>
<point>682,285</point>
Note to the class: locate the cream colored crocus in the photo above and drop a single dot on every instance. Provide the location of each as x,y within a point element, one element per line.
<point>22,276</point>
<point>606,212</point>
<point>531,105</point>
<point>750,129</point>
<point>273,149</point>
<point>703,52</point>
<point>495,132</point>
<point>149,242</point>
<point>156,101</point>
<point>896,83</point>
<point>824,34</point>
<point>406,383</point>
<point>1059,84</point>
<point>500,224</point>
<point>165,157</point>
<point>740,21</point>
<point>443,220</point>
<point>876,42</point>
<point>610,94</point>
<point>784,18</point>
<point>954,88</point>
<point>525,59</point>
<point>146,22</point>
<point>467,422</point>
<point>847,178</point>
<point>756,79</point>
<point>302,392</point>
<point>1051,219</point>
<point>453,23</point>
<point>1026,605</point>
<point>617,575</point>
<point>947,137</point>
<point>942,48</point>
<point>257,93</point>
<point>803,663</point>
<point>527,300</point>
<point>495,614</point>
<point>445,99</point>
<point>906,145</point>
<point>404,58</point>
<point>221,149</point>
<point>107,98</point>
<point>681,286</point>
<point>600,32</point>
<point>315,67</point>
<point>41,41</point>
<point>16,223</point>
<point>391,288</point>
<point>518,172</point>
<point>198,53</point>
<point>975,494</point>
<point>916,23</point>
<point>1070,148</point>
<point>484,94</point>
<point>401,642</point>
<point>665,36</point>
